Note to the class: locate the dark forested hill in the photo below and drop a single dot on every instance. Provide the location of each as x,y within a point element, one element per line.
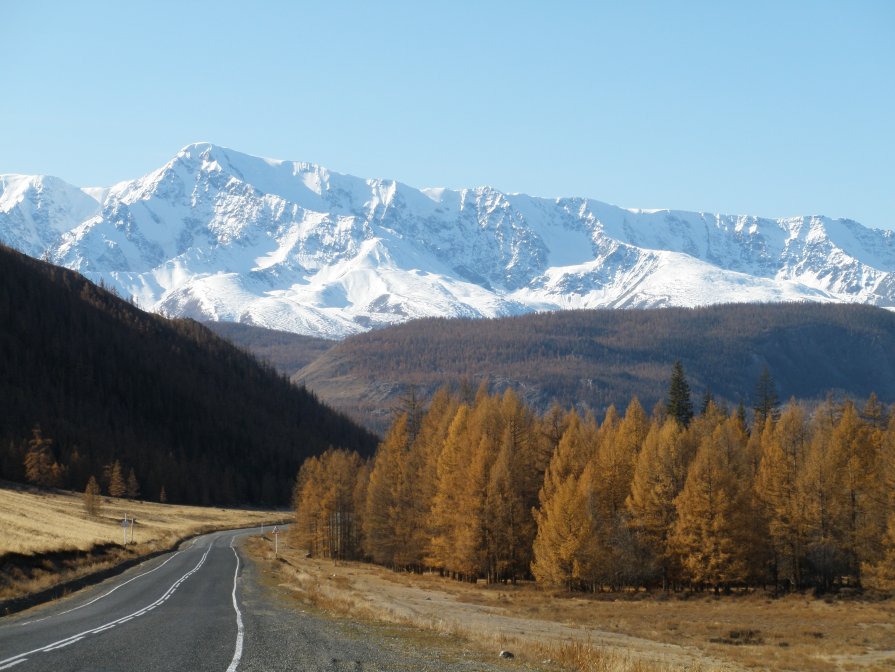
<point>183,408</point>
<point>596,358</point>
<point>285,351</point>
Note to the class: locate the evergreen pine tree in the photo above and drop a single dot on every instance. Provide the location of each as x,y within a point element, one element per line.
<point>766,402</point>
<point>679,405</point>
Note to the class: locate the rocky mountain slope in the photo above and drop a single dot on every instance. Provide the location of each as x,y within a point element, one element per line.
<point>219,235</point>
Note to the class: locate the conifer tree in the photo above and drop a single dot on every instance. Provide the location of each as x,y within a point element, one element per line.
<point>117,486</point>
<point>576,447</point>
<point>505,515</point>
<point>821,485</point>
<point>383,522</point>
<point>607,485</point>
<point>851,445</point>
<point>766,402</point>
<point>784,446</point>
<point>40,467</point>
<point>881,573</point>
<point>659,476</point>
<point>133,486</point>
<point>445,519</point>
<point>563,529</point>
<point>712,516</point>
<point>92,497</point>
<point>679,404</point>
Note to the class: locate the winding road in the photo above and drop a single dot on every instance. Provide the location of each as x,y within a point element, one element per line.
<point>204,608</point>
<point>180,610</point>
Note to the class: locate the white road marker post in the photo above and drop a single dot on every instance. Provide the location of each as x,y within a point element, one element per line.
<point>124,528</point>
<point>276,541</point>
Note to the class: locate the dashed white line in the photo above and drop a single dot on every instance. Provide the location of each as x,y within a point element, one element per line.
<point>14,660</point>
<point>240,630</point>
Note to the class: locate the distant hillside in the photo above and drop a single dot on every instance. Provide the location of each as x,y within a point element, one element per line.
<point>283,350</point>
<point>182,407</point>
<point>600,357</point>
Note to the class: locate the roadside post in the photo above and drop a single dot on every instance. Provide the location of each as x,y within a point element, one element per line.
<point>276,540</point>
<point>124,530</point>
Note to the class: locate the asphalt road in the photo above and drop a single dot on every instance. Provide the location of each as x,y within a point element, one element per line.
<point>203,608</point>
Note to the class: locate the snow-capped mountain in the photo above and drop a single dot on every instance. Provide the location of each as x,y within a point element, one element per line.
<point>216,234</point>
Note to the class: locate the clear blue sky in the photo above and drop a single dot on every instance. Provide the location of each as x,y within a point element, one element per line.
<point>771,108</point>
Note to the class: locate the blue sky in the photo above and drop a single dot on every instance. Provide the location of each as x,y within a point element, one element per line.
<point>770,108</point>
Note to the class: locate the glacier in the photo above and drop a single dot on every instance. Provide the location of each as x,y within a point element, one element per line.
<point>216,234</point>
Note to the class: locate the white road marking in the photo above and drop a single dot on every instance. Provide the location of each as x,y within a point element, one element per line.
<point>13,660</point>
<point>97,599</point>
<point>6,667</point>
<point>240,630</point>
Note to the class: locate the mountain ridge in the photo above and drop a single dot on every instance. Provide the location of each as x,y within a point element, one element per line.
<point>216,234</point>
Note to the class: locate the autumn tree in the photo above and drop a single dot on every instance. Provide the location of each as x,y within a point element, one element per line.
<point>606,485</point>
<point>385,519</point>
<point>133,485</point>
<point>784,446</point>
<point>92,499</point>
<point>513,483</point>
<point>711,529</point>
<point>326,521</point>
<point>117,485</point>
<point>820,484</point>
<point>881,572</point>
<point>41,468</point>
<point>659,476</point>
<point>563,529</point>
<point>575,450</point>
<point>853,450</point>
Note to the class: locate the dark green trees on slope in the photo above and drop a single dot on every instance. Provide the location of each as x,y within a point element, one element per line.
<point>182,408</point>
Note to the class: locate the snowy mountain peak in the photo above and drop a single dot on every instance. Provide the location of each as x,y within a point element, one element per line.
<point>219,234</point>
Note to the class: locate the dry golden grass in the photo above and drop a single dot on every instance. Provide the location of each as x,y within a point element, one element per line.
<point>612,632</point>
<point>44,523</point>
<point>366,592</point>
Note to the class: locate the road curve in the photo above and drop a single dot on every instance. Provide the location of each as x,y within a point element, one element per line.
<point>176,611</point>
<point>203,608</point>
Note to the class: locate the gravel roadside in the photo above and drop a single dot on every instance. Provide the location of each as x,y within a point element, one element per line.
<point>283,633</point>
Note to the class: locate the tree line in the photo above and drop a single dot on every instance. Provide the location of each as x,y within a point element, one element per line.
<point>688,496</point>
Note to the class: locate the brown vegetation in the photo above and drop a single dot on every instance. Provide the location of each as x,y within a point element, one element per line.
<point>481,487</point>
<point>610,632</point>
<point>592,359</point>
<point>181,407</point>
<point>47,537</point>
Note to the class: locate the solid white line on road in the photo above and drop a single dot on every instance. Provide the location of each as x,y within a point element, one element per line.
<point>6,667</point>
<point>111,624</point>
<point>97,599</point>
<point>240,630</point>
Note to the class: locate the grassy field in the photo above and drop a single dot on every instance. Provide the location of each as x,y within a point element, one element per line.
<point>609,632</point>
<point>47,537</point>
